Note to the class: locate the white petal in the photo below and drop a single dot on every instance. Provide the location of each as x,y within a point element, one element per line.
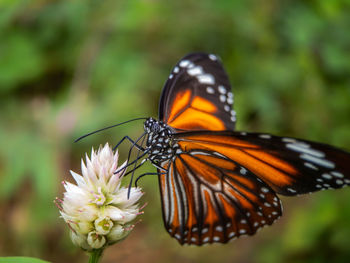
<point>122,171</point>
<point>84,170</point>
<point>115,161</point>
<point>135,195</point>
<point>78,179</point>
<point>72,189</point>
<point>121,197</point>
<point>128,215</point>
<point>91,174</point>
<point>113,213</point>
<point>113,183</point>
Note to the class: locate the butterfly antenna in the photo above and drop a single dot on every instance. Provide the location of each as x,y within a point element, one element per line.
<point>106,128</point>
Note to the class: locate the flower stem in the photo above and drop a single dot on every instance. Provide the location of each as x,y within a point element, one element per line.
<point>95,255</point>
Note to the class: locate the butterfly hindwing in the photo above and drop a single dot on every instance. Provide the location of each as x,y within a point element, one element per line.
<point>197,95</point>
<point>289,166</point>
<point>208,198</point>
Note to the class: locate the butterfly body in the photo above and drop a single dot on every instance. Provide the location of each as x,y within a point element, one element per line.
<point>216,183</point>
<point>159,141</point>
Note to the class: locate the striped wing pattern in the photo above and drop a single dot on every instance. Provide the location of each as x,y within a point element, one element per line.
<point>289,166</point>
<point>209,198</point>
<point>223,184</point>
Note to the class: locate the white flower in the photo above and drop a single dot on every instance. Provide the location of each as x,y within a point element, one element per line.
<point>97,209</point>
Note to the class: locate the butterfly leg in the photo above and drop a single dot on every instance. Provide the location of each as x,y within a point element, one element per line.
<point>139,147</point>
<point>142,175</point>
<point>134,144</point>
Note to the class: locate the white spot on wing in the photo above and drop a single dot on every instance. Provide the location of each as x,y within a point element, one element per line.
<point>212,57</point>
<point>184,63</point>
<point>243,170</point>
<point>219,228</point>
<point>316,160</point>
<point>300,148</point>
<point>326,176</point>
<point>176,70</point>
<point>206,239</point>
<point>242,231</point>
<point>264,189</point>
<point>198,70</point>
<point>289,140</point>
<point>222,89</point>
<point>338,181</point>
<point>311,166</point>
<point>206,79</point>
<point>291,190</point>
<point>337,174</point>
<point>210,90</point>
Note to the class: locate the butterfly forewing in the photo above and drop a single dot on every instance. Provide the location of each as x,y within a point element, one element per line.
<point>289,166</point>
<point>209,198</point>
<point>197,95</point>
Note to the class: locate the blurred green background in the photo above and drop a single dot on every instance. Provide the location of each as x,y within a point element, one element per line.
<point>70,67</point>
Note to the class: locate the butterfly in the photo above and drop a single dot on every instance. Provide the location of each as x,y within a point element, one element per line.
<point>217,184</point>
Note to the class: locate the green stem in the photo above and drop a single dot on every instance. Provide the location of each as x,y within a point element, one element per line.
<point>95,255</point>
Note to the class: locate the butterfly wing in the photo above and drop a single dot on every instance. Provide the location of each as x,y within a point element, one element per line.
<point>208,198</point>
<point>289,166</point>
<point>197,95</point>
<point>222,184</point>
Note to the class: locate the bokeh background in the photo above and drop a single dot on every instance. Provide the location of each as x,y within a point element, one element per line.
<point>71,67</point>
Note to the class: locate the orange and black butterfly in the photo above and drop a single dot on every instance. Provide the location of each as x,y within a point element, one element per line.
<point>216,183</point>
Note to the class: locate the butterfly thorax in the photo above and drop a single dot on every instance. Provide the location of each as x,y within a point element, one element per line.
<point>159,141</point>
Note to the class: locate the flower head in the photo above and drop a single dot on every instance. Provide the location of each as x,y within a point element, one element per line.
<point>97,208</point>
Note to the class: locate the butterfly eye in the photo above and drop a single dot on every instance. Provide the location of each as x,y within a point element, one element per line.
<point>155,127</point>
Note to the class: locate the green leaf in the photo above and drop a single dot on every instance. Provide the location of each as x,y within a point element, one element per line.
<point>21,260</point>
